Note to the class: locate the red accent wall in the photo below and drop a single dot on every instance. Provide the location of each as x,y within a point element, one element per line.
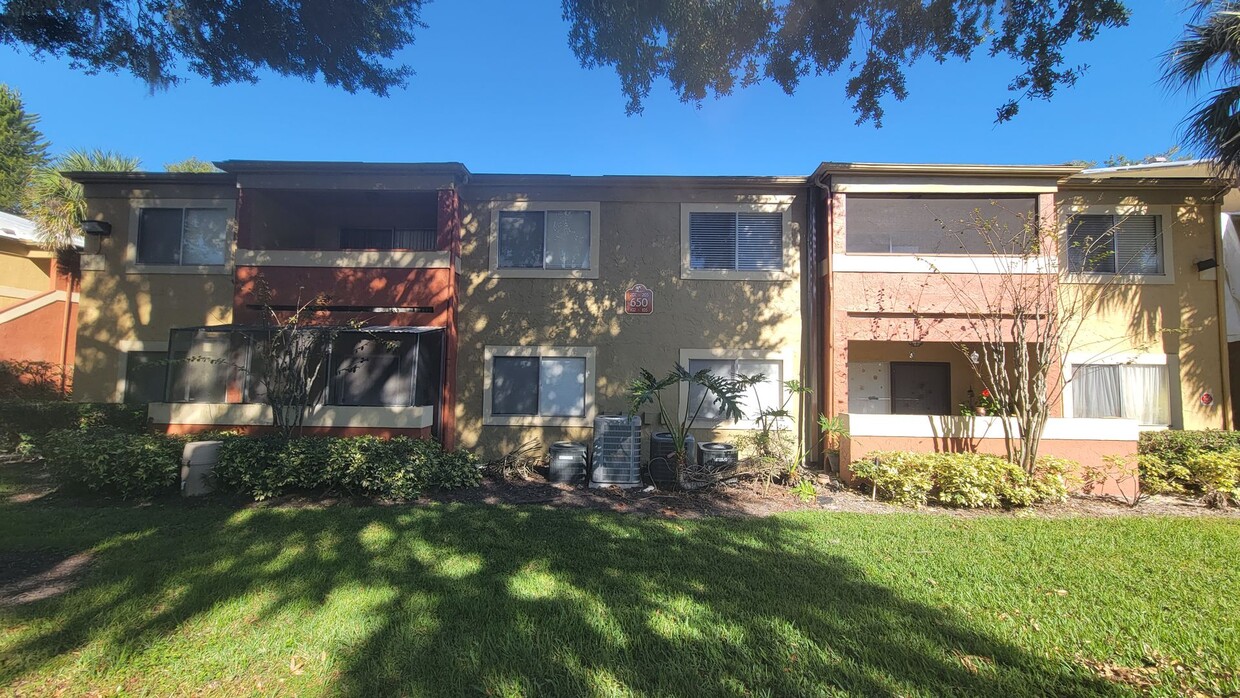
<point>47,334</point>
<point>450,238</point>
<point>372,287</point>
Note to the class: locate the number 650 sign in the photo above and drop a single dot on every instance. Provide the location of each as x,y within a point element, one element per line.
<point>639,300</point>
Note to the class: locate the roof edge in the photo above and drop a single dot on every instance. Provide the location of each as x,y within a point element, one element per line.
<point>956,170</point>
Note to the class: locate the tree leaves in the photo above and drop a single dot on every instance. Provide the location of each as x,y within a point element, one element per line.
<point>22,148</point>
<point>704,47</point>
<point>344,42</point>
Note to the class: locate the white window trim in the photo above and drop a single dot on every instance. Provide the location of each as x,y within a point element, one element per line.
<point>498,207</point>
<point>488,356</point>
<point>135,221</point>
<point>1171,361</point>
<point>749,423</point>
<point>125,347</point>
<point>768,204</point>
<point>1166,216</point>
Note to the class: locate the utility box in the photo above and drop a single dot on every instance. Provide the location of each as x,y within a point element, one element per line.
<point>198,461</point>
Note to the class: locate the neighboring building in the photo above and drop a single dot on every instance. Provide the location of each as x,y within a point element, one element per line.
<point>494,305</point>
<point>38,301</point>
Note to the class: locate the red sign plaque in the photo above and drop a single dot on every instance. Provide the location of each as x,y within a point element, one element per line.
<point>638,300</point>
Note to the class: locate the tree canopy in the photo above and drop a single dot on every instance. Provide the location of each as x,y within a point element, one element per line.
<point>346,43</point>
<point>706,48</point>
<point>1209,53</point>
<point>22,148</point>
<point>190,164</point>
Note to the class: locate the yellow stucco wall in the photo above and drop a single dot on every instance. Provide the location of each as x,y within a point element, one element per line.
<point>24,271</point>
<point>640,241</point>
<point>120,305</point>
<point>1179,319</point>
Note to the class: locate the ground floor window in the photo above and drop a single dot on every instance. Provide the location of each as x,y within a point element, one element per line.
<point>768,394</point>
<point>538,385</point>
<point>1128,391</point>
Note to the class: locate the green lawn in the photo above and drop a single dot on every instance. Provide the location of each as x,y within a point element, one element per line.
<point>479,600</point>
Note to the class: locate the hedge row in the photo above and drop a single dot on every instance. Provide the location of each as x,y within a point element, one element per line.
<point>22,423</point>
<point>1201,463</point>
<point>961,479</point>
<point>130,466</point>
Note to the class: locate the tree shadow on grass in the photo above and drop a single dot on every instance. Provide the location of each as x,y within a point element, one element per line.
<point>511,601</point>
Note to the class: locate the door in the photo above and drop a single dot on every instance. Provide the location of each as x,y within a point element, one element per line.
<point>920,388</point>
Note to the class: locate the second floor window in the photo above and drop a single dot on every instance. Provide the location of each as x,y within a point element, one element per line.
<point>183,236</point>
<point>1110,244</point>
<point>736,241</point>
<point>544,239</point>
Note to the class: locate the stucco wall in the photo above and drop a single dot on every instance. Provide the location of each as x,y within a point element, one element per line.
<point>120,305</point>
<point>21,275</point>
<point>639,243</point>
<point>1180,319</point>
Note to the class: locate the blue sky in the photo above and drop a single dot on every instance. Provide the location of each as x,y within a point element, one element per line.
<point>477,100</point>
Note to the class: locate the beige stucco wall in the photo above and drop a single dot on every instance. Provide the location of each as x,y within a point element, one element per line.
<point>640,233</point>
<point>23,271</point>
<point>1180,319</point>
<point>121,305</point>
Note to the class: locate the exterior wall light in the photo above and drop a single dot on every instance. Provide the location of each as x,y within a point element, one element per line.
<point>101,228</point>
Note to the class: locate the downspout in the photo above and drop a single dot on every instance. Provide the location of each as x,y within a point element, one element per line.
<point>821,320</point>
<point>1220,284</point>
<point>810,331</point>
<point>64,328</point>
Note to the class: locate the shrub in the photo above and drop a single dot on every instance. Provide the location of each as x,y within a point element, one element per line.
<point>398,468</point>
<point>34,380</point>
<point>24,423</point>
<point>904,478</point>
<point>1159,477</point>
<point>1166,461</point>
<point>1217,477</point>
<point>962,479</point>
<point>104,459</point>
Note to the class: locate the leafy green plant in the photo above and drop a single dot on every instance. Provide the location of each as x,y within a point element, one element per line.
<point>805,490</point>
<point>25,423</point>
<point>398,468</point>
<point>969,480</point>
<point>725,393</point>
<point>1217,477</point>
<point>102,459</point>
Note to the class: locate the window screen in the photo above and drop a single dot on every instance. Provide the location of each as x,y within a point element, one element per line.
<point>746,241</point>
<point>159,236</point>
<point>514,385</point>
<point>200,368</point>
<point>373,371</point>
<point>1106,244</point>
<point>544,240</point>
<point>765,395</point>
<point>145,376</point>
<point>550,386</point>
<point>188,236</point>
<point>936,225</point>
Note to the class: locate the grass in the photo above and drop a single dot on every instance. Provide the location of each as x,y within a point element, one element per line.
<point>450,600</point>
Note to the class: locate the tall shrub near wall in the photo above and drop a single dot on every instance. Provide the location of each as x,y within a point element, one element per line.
<point>25,422</point>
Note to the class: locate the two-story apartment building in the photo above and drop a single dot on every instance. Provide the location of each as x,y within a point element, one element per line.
<point>490,310</point>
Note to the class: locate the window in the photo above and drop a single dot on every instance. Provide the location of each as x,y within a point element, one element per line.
<point>539,385</point>
<point>1128,391</point>
<point>765,395</point>
<point>145,376</point>
<point>736,240</point>
<point>551,239</point>
<point>1112,244</point>
<point>937,225</point>
<point>182,236</point>
<point>387,239</point>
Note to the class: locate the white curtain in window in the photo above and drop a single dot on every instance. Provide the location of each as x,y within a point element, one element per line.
<point>568,240</point>
<point>1096,391</point>
<point>205,236</point>
<point>1146,394</point>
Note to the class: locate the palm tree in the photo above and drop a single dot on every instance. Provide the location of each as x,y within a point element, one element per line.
<point>56,204</point>
<point>1209,51</point>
